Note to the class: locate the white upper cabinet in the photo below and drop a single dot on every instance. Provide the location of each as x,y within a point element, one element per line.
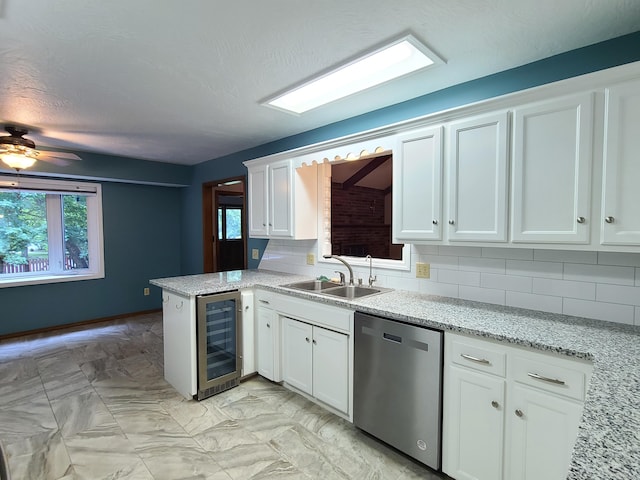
<point>417,185</point>
<point>551,178</point>
<point>620,222</point>
<point>282,200</point>
<point>477,179</point>
<point>258,201</point>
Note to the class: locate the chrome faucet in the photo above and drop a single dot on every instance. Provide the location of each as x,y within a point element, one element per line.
<point>340,259</point>
<point>371,277</point>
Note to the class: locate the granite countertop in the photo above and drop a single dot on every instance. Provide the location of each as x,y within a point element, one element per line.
<point>193,285</point>
<point>608,443</point>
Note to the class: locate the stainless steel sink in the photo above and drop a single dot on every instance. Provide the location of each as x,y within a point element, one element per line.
<point>311,285</point>
<point>330,288</point>
<point>352,291</point>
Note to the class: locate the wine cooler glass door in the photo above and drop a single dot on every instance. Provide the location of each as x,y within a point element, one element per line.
<point>218,340</point>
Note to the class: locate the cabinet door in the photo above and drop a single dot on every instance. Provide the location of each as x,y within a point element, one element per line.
<point>280,199</point>
<point>297,354</point>
<point>552,171</point>
<point>179,333</point>
<point>248,334</point>
<point>417,185</point>
<point>543,429</point>
<point>473,425</point>
<point>265,319</point>
<point>477,167</point>
<point>620,222</point>
<point>331,368</point>
<point>257,186</point>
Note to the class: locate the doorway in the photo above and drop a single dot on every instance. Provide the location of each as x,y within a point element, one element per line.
<point>223,225</point>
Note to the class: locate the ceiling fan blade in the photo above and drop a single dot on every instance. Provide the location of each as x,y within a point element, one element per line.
<point>55,161</point>
<point>49,155</point>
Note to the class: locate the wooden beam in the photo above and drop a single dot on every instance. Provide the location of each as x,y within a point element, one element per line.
<point>364,171</point>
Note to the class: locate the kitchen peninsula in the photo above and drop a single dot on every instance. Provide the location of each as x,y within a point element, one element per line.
<point>607,446</point>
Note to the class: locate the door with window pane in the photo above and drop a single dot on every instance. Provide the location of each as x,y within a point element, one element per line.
<point>229,242</point>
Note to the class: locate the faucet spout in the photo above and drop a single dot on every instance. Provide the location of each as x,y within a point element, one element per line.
<point>340,259</point>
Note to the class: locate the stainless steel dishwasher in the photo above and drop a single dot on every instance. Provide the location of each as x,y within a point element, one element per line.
<point>397,393</point>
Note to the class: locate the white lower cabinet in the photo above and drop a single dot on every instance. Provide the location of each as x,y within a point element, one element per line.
<point>308,346</point>
<point>316,361</point>
<point>297,355</point>
<point>543,431</point>
<point>248,333</point>
<point>476,426</point>
<point>179,332</point>
<point>509,413</point>
<point>266,340</point>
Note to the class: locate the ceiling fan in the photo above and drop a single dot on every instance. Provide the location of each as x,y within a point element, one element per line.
<point>20,153</point>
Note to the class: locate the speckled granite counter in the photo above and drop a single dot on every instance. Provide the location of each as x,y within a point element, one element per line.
<point>608,444</point>
<point>192,285</point>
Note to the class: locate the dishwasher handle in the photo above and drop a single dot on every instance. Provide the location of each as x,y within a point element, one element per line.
<point>392,338</point>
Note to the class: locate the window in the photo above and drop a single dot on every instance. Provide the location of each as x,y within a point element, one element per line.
<point>229,222</point>
<point>395,256</point>
<point>50,231</point>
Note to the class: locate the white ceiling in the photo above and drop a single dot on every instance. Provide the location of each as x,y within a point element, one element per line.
<point>182,82</point>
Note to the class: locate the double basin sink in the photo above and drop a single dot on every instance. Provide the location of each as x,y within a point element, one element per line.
<point>336,290</point>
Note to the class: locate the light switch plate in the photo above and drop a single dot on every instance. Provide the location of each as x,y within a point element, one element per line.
<point>311,259</point>
<point>255,254</point>
<point>423,270</point>
<point>146,291</point>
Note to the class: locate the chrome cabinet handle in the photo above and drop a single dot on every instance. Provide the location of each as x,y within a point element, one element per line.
<point>452,222</point>
<point>483,361</point>
<point>264,224</point>
<point>555,381</point>
<point>609,219</point>
<point>314,341</point>
<point>519,413</point>
<point>268,325</point>
<point>495,404</point>
<point>266,302</point>
<point>435,222</point>
<point>581,220</point>
<point>307,339</point>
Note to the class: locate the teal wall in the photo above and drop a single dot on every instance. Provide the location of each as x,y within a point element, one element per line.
<point>96,166</point>
<point>617,51</point>
<point>141,241</point>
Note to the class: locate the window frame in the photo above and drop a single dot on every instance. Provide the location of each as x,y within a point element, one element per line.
<point>55,189</point>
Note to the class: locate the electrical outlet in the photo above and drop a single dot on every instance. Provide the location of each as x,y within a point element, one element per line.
<point>146,291</point>
<point>311,259</point>
<point>423,270</point>
<point>255,254</point>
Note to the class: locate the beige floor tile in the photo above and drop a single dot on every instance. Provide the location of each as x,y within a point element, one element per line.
<point>91,403</point>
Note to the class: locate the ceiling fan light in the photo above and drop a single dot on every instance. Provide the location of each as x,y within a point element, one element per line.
<point>17,161</point>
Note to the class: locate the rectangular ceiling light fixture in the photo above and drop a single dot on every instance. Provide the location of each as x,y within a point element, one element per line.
<point>399,58</point>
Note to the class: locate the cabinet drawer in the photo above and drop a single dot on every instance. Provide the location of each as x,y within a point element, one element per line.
<point>560,376</point>
<point>478,355</point>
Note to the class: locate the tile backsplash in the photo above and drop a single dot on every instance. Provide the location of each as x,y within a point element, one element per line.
<point>600,285</point>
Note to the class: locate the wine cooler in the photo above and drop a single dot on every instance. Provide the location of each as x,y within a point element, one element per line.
<point>219,334</point>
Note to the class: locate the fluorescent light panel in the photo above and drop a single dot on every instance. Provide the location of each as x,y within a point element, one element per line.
<point>395,60</point>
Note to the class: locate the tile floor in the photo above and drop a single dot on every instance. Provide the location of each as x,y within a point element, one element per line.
<point>91,403</point>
